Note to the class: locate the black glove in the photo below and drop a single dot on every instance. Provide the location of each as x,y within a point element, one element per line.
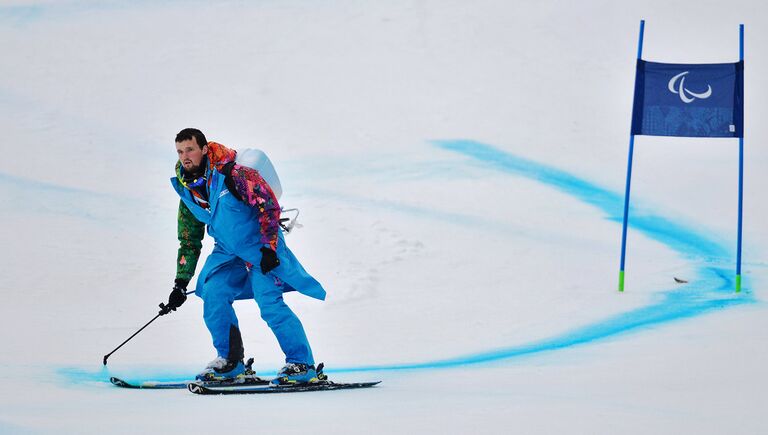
<point>269,260</point>
<point>176,298</point>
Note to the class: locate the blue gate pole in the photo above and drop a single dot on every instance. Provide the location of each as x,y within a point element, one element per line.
<point>741,178</point>
<point>629,175</point>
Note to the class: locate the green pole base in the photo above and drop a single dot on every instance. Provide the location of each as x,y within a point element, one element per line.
<point>738,283</point>
<point>621,280</point>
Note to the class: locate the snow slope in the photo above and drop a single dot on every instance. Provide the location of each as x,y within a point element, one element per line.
<point>459,169</point>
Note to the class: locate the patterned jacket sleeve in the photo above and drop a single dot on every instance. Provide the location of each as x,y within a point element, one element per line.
<point>254,191</point>
<point>191,232</point>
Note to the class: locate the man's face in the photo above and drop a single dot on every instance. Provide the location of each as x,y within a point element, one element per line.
<point>190,154</point>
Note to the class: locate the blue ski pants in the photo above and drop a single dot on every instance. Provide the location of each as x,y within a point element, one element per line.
<point>223,280</point>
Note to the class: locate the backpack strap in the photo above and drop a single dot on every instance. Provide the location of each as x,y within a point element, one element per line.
<point>229,180</point>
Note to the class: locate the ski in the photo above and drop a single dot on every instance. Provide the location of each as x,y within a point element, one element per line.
<point>201,388</point>
<point>152,385</point>
<point>249,379</point>
<point>158,385</point>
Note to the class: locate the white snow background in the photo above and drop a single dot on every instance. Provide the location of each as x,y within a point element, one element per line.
<point>459,167</point>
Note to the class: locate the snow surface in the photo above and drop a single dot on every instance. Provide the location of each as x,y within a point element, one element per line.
<point>459,167</point>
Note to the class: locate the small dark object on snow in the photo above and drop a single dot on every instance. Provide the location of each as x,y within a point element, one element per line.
<point>680,281</point>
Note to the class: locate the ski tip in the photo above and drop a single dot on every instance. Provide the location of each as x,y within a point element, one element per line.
<point>679,281</point>
<point>198,388</point>
<point>120,383</point>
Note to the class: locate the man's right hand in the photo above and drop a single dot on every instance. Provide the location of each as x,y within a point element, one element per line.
<point>269,260</point>
<point>176,298</point>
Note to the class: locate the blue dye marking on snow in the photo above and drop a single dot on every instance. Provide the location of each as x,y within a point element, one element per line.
<point>714,285</point>
<point>675,235</point>
<point>79,375</point>
<point>28,183</point>
<point>63,9</point>
<point>32,197</point>
<point>20,14</point>
<point>427,213</point>
<point>138,374</point>
<point>675,305</point>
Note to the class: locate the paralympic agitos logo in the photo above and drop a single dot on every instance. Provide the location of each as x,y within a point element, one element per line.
<point>677,86</point>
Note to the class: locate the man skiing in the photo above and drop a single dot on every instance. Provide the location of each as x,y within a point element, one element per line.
<point>249,258</point>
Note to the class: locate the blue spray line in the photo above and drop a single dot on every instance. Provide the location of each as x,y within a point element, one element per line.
<point>676,235</point>
<point>673,307</point>
<point>713,292</point>
<point>714,283</point>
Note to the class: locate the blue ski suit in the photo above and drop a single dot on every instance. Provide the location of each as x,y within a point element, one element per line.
<point>232,272</point>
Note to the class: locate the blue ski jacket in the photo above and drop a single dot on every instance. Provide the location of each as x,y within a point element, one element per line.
<point>237,227</point>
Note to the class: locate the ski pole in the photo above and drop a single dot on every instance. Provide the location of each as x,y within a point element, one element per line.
<point>129,338</point>
<point>164,310</point>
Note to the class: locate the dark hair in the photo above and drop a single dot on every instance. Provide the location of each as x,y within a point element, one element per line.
<point>189,133</point>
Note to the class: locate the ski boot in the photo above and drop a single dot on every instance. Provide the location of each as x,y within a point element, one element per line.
<point>293,373</point>
<point>222,369</point>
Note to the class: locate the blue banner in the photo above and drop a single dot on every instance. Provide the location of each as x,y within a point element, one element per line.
<point>689,100</point>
